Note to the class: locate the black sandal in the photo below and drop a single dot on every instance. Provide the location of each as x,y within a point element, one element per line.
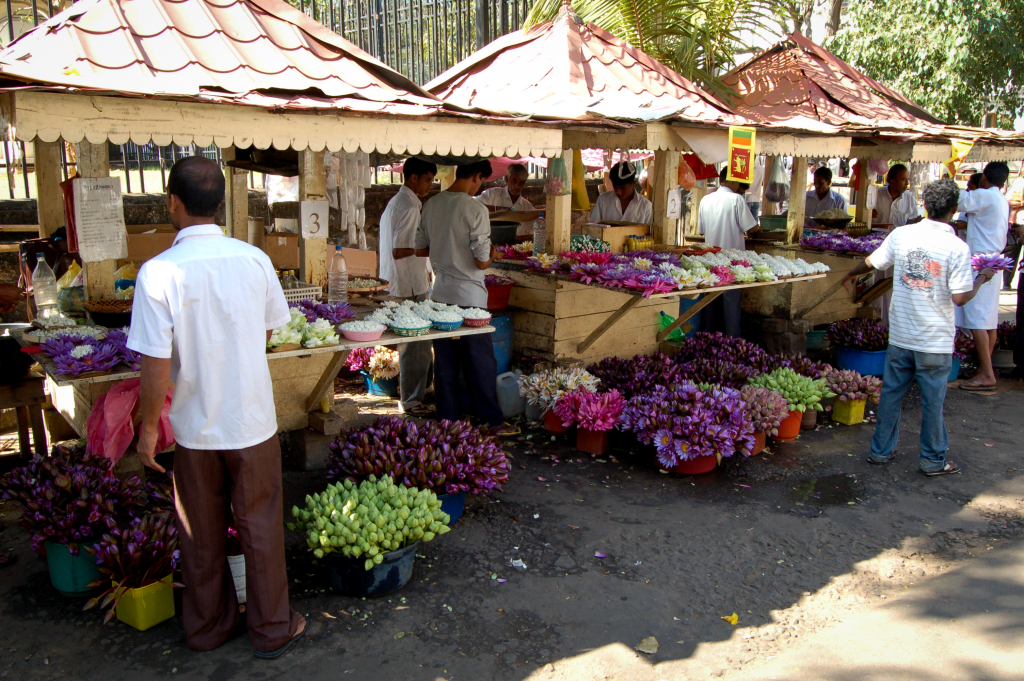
<point>274,654</point>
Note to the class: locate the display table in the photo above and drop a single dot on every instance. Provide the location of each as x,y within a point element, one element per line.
<point>566,319</point>
<point>300,378</point>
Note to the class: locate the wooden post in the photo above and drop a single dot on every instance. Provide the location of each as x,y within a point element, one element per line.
<point>768,207</point>
<point>797,200</point>
<point>666,178</point>
<point>700,190</point>
<point>312,187</point>
<point>558,215</point>
<point>236,198</point>
<point>49,197</point>
<point>94,161</point>
<point>863,187</point>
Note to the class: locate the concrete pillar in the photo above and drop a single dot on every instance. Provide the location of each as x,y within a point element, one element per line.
<point>797,200</point>
<point>50,198</point>
<point>312,187</point>
<point>236,198</point>
<point>666,178</point>
<point>558,215</point>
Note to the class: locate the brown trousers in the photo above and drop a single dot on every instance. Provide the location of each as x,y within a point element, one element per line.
<point>208,485</point>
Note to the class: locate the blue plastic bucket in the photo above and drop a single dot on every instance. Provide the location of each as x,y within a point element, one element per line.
<point>350,577</point>
<point>453,505</point>
<point>954,371</point>
<point>864,363</point>
<point>381,387</point>
<point>502,339</point>
<point>69,574</point>
<point>691,325</point>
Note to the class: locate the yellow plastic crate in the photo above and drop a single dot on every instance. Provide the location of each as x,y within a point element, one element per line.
<point>147,606</point>
<point>850,412</point>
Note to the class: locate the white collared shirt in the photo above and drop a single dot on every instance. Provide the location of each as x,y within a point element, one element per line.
<point>500,198</point>
<point>896,213</point>
<point>724,218</point>
<point>206,303</point>
<point>407,277</point>
<point>608,208</point>
<point>815,205</point>
<point>988,219</point>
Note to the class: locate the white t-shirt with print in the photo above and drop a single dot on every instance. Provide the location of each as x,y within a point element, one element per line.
<point>931,264</point>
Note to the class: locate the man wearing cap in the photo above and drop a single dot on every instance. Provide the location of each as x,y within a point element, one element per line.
<point>623,203</point>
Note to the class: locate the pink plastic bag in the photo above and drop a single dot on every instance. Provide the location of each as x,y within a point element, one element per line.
<point>110,428</point>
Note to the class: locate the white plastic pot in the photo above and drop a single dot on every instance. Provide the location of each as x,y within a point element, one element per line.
<point>237,565</point>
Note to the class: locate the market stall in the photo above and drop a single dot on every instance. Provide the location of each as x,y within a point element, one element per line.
<point>131,79</point>
<point>799,83</point>
<point>642,105</point>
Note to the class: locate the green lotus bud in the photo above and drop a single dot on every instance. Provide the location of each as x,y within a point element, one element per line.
<point>427,536</point>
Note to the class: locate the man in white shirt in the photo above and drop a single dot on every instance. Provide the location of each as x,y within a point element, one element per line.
<point>894,204</point>
<point>724,219</point>
<point>408,277</point>
<point>822,197</point>
<point>754,192</point>
<point>204,310</point>
<point>988,215</point>
<point>511,195</point>
<point>623,203</point>
<point>455,233</point>
<point>933,272</point>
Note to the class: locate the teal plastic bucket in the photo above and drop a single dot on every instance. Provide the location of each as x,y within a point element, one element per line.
<point>502,339</point>
<point>380,387</point>
<point>954,371</point>
<point>863,362</point>
<point>69,574</point>
<point>816,340</point>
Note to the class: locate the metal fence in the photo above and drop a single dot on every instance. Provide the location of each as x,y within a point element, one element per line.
<point>419,38</point>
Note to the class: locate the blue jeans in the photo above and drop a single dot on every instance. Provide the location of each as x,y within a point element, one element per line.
<point>931,371</point>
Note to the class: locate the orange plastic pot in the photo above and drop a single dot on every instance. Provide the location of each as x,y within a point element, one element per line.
<point>552,423</point>
<point>760,440</point>
<point>592,441</point>
<point>697,466</point>
<point>789,429</point>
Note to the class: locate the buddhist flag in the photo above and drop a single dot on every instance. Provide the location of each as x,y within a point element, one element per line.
<point>960,150</point>
<point>741,154</point>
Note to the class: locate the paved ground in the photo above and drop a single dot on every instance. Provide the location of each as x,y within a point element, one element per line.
<point>835,569</point>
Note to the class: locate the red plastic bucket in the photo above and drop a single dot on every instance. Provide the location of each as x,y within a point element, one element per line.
<point>498,295</point>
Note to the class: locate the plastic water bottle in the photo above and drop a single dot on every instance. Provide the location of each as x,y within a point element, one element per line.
<point>289,281</point>
<point>44,288</point>
<point>337,278</point>
<point>539,234</point>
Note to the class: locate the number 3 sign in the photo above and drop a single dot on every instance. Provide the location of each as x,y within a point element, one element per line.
<point>314,218</point>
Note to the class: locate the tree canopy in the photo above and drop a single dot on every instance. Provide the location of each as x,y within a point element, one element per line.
<point>959,59</point>
<point>699,39</point>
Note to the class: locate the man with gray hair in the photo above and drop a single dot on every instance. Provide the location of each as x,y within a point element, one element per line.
<point>932,273</point>
<point>510,196</point>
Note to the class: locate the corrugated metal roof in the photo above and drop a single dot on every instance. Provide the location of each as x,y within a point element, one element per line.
<point>256,52</point>
<point>798,79</point>
<point>565,69</point>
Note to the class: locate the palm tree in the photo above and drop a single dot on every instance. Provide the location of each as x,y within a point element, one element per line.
<point>700,39</point>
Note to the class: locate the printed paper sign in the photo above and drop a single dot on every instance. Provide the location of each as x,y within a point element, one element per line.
<point>314,216</point>
<point>741,154</point>
<point>674,209</point>
<point>99,219</point>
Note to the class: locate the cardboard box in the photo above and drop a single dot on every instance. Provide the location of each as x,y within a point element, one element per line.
<point>283,250</point>
<point>146,241</point>
<point>359,263</point>
<point>616,233</point>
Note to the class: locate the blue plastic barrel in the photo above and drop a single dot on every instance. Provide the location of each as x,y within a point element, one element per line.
<point>502,338</point>
<point>863,362</point>
<point>691,325</point>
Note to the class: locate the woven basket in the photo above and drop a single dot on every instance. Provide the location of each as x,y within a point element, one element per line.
<point>476,323</point>
<point>410,333</point>
<point>108,306</point>
<point>447,326</point>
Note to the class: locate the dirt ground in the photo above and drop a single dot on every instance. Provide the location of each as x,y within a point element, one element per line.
<point>793,541</point>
